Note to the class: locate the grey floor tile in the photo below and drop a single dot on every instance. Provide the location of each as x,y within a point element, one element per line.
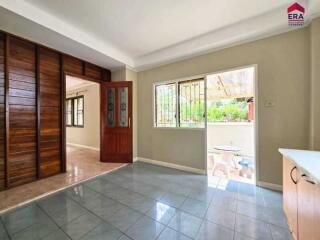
<point>54,202</point>
<point>279,233</point>
<point>272,198</point>
<point>36,231</point>
<point>203,195</point>
<point>170,234</point>
<point>80,226</point>
<point>57,235</point>
<point>221,216</point>
<point>177,188</point>
<point>141,204</point>
<point>106,209</point>
<point>240,236</point>
<point>115,178</point>
<point>257,199</point>
<point>185,223</point>
<point>22,218</point>
<point>224,199</point>
<point>122,194</point>
<point>124,218</point>
<point>124,237</point>
<point>161,213</point>
<point>145,229</point>
<point>210,231</point>
<point>101,185</point>
<point>3,232</point>
<point>251,210</point>
<point>195,207</point>
<point>232,186</point>
<point>84,195</point>
<point>66,213</point>
<point>253,228</point>
<point>172,199</point>
<point>145,189</point>
<point>277,217</point>
<point>103,231</point>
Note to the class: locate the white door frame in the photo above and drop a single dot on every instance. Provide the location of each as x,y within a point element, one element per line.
<point>256,117</point>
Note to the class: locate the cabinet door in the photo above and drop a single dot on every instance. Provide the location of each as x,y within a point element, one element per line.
<point>290,201</point>
<point>306,207</point>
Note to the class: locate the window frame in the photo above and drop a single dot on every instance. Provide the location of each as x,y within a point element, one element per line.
<point>176,82</point>
<point>72,111</point>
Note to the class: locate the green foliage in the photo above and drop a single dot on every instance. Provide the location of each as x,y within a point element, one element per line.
<point>232,111</point>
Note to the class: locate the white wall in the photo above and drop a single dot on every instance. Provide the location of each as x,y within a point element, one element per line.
<point>236,134</point>
<point>89,135</point>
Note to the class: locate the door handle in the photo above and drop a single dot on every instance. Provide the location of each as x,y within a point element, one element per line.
<point>307,179</point>
<point>295,182</point>
<point>129,122</point>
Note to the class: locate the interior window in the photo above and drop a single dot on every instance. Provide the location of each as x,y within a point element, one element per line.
<point>75,111</point>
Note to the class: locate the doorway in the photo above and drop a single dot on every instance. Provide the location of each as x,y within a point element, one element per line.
<point>231,124</point>
<point>82,118</point>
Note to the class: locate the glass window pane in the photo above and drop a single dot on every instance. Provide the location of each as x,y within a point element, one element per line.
<point>110,97</point>
<point>191,103</point>
<point>75,111</point>
<point>80,119</point>
<point>123,107</point>
<point>80,103</point>
<point>165,105</point>
<point>68,112</point>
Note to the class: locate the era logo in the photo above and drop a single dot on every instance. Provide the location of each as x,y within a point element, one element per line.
<point>296,15</point>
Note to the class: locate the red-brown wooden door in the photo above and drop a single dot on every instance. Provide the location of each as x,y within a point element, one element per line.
<point>116,122</point>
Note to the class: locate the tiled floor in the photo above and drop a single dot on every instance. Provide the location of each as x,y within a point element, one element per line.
<point>82,164</point>
<point>145,202</point>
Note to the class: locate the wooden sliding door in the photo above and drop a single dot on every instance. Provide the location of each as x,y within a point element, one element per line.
<point>22,129</point>
<point>32,95</point>
<point>2,113</point>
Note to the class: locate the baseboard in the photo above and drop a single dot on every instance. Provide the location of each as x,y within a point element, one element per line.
<point>171,165</point>
<point>271,186</point>
<point>83,146</point>
<point>135,159</point>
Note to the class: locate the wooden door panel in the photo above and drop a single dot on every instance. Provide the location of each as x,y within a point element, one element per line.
<point>116,114</point>
<point>50,113</point>
<point>2,114</point>
<point>22,113</point>
<point>72,65</point>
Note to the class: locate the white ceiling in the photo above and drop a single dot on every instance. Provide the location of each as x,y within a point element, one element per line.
<point>145,33</point>
<point>73,83</point>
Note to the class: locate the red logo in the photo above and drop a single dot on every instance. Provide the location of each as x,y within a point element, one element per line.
<point>296,15</point>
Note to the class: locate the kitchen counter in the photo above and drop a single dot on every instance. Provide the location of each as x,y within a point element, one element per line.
<point>307,161</point>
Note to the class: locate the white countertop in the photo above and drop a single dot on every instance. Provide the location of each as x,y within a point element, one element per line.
<point>307,161</point>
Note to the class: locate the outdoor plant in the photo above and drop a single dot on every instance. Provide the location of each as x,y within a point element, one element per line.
<point>228,111</point>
